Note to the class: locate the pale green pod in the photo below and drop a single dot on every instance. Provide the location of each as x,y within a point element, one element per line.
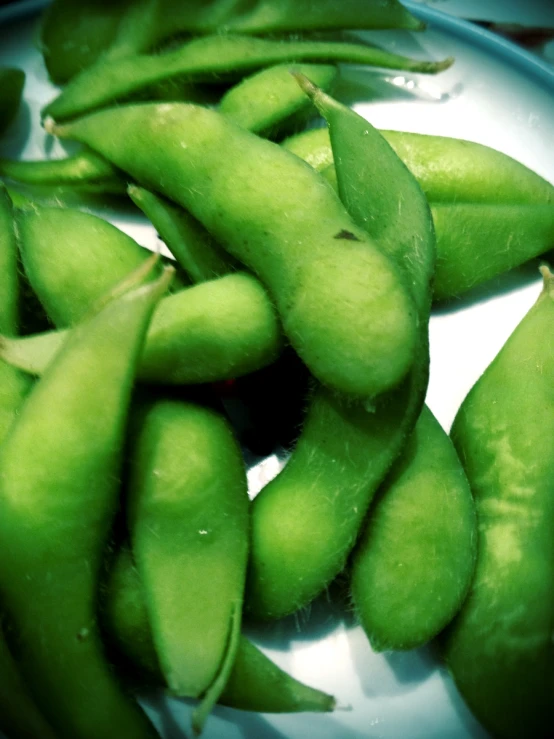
<point>213,331</point>
<point>255,682</point>
<point>270,101</point>
<point>346,311</point>
<point>83,168</point>
<point>189,525</point>
<point>54,527</point>
<point>478,241</point>
<point>449,170</point>
<point>413,564</point>
<point>345,448</point>
<point>499,649</point>
<point>71,258</point>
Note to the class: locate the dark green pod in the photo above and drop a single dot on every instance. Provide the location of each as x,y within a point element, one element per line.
<point>499,648</point>
<point>19,716</point>
<point>189,242</point>
<point>208,58</point>
<point>12,81</point>
<point>73,35</point>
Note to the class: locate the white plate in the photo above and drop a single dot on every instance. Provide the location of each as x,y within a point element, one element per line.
<point>494,94</point>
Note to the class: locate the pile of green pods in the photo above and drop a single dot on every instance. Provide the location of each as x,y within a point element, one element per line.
<point>307,251</point>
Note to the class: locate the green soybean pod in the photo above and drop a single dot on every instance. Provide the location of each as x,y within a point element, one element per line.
<point>345,449</point>
<point>71,258</point>
<point>306,520</point>
<point>12,81</point>
<point>55,527</point>
<point>313,146</point>
<point>82,169</point>
<point>73,35</point>
<point>255,682</point>
<point>14,385</point>
<point>189,526</point>
<point>9,294</point>
<point>393,208</point>
<point>270,100</point>
<point>449,170</point>
<point>345,310</point>
<point>276,15</point>
<point>19,716</point>
<point>499,648</point>
<point>475,241</point>
<point>213,331</point>
<point>189,242</point>
<point>478,241</point>
<point>208,58</point>
<point>414,562</point>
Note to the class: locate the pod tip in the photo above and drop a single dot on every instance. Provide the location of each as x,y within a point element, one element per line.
<point>49,125</point>
<point>548,279</point>
<point>306,84</point>
<point>444,64</point>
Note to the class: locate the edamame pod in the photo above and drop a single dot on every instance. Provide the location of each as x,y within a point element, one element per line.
<point>313,146</point>
<point>306,520</point>
<point>270,100</point>
<point>392,208</point>
<point>413,564</point>
<point>14,385</point>
<point>448,170</point>
<point>208,58</point>
<point>189,526</point>
<point>475,240</point>
<point>255,682</point>
<point>82,169</point>
<point>12,81</point>
<point>213,331</point>
<point>74,36</point>
<point>499,648</point>
<point>189,242</point>
<point>291,15</point>
<point>345,310</point>
<point>478,241</point>
<point>72,258</point>
<point>19,716</point>
<point>345,449</point>
<point>54,526</point>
